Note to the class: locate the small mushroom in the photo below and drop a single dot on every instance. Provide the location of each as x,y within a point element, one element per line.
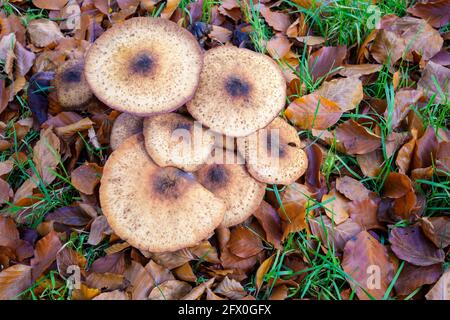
<point>144,66</point>
<point>71,88</point>
<point>229,180</point>
<point>125,126</point>
<point>274,154</point>
<point>175,140</point>
<point>153,208</point>
<point>240,91</point>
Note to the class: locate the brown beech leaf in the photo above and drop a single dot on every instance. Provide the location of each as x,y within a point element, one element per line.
<point>402,102</point>
<point>358,70</point>
<point>313,173</point>
<point>326,61</point>
<point>70,215</point>
<point>170,290</point>
<point>364,212</point>
<point>437,229</point>
<point>228,259</point>
<point>278,46</point>
<point>50,4</point>
<point>328,232</point>
<point>185,273</point>
<point>220,34</point>
<point>113,263</point>
<point>198,291</point>
<point>410,244</point>
<point>426,149</point>
<point>46,155</point>
<point>279,293</point>
<point>335,206</point>
<point>169,9</point>
<point>113,295</point>
<point>396,185</point>
<point>66,258</point>
<point>45,253</point>
<point>371,163</point>
<point>6,192</point>
<point>269,219</point>
<point>388,46</point>
<point>99,229</point>
<point>24,59</point>
<point>313,112</point>
<point>262,270</point>
<point>433,73</point>
<point>436,12</point>
<point>84,293</point>
<point>404,154</point>
<point>363,257</point>
<point>141,283</point>
<point>70,130</point>
<point>351,188</point>
<point>6,167</point>
<point>105,281</point>
<point>171,260</point>
<point>404,206</point>
<point>44,32</point>
<point>158,273</point>
<point>347,93</point>
<point>231,289</point>
<point>244,243</point>
<point>86,177</point>
<point>117,247</point>
<point>13,281</point>
<point>293,217</point>
<point>413,277</point>
<point>279,21</point>
<point>440,289</point>
<point>356,139</point>
<point>8,232</point>
<point>206,252</point>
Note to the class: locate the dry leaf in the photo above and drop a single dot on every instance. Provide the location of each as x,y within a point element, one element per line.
<point>356,139</point>
<point>44,32</point>
<point>440,290</point>
<point>437,229</point>
<point>231,289</point>
<point>335,206</point>
<point>244,243</point>
<point>347,93</point>
<point>170,290</point>
<point>269,219</point>
<point>352,188</point>
<point>330,233</point>
<point>413,277</point>
<point>262,270</point>
<point>45,254</point>
<point>86,177</point>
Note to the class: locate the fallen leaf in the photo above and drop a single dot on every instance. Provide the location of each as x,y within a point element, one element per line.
<point>113,295</point>
<point>141,283</point>
<point>198,291</point>
<point>99,229</point>
<point>426,149</point>
<point>84,293</point>
<point>330,233</point>
<point>169,9</point>
<point>437,229</point>
<point>185,273</point>
<point>387,46</point>
<point>113,263</point>
<point>171,260</point>
<point>313,112</point>
<point>262,270</point>
<point>347,93</point>
<point>411,245</point>
<point>436,13</point>
<point>356,139</point>
<point>44,32</point>
<point>105,281</point>
<point>45,254</point>
<point>37,98</point>
<point>293,217</point>
<point>278,46</point>
<point>404,99</point>
<point>371,163</point>
<point>13,281</point>
<point>228,259</point>
<point>404,154</point>
<point>6,192</point>
<point>364,212</point>
<point>170,290</point>
<point>86,177</point>
<point>358,70</point>
<point>205,251</point>
<point>158,273</point>
<point>367,263</point>
<point>396,185</point>
<point>70,215</point>
<point>352,188</point>
<point>46,155</point>
<point>231,289</point>
<point>68,131</point>
<point>50,4</point>
<point>244,243</point>
<point>440,289</point>
<point>277,20</point>
<point>404,206</point>
<point>210,295</point>
<point>279,293</point>
<point>326,60</point>
<point>335,206</point>
<point>66,258</point>
<point>413,277</point>
<point>269,219</point>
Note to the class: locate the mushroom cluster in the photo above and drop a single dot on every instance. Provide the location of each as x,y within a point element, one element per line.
<point>170,181</point>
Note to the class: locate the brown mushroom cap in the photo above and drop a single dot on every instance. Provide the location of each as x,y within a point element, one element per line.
<point>152,208</point>
<point>71,88</point>
<point>125,126</point>
<point>240,91</point>
<point>144,66</point>
<point>230,181</point>
<point>175,140</point>
<point>273,154</point>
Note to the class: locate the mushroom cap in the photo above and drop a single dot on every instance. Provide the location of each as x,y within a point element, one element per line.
<point>153,208</point>
<point>144,66</point>
<point>230,181</point>
<point>172,139</point>
<point>125,126</point>
<point>240,91</point>
<point>71,88</point>
<point>273,154</point>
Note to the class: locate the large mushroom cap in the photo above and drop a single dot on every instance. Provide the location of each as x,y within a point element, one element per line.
<point>71,88</point>
<point>155,209</point>
<point>175,140</point>
<point>273,154</point>
<point>240,91</point>
<point>125,126</point>
<point>144,66</point>
<point>229,180</point>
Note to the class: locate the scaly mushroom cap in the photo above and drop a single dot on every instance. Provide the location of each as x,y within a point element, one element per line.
<point>175,140</point>
<point>240,91</point>
<point>71,88</point>
<point>153,208</point>
<point>125,126</point>
<point>273,154</point>
<point>144,66</point>
<point>229,180</point>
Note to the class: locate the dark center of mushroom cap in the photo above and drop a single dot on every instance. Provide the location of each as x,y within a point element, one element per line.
<point>72,75</point>
<point>216,176</point>
<point>167,183</point>
<point>237,87</point>
<point>142,64</point>
<point>182,126</point>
